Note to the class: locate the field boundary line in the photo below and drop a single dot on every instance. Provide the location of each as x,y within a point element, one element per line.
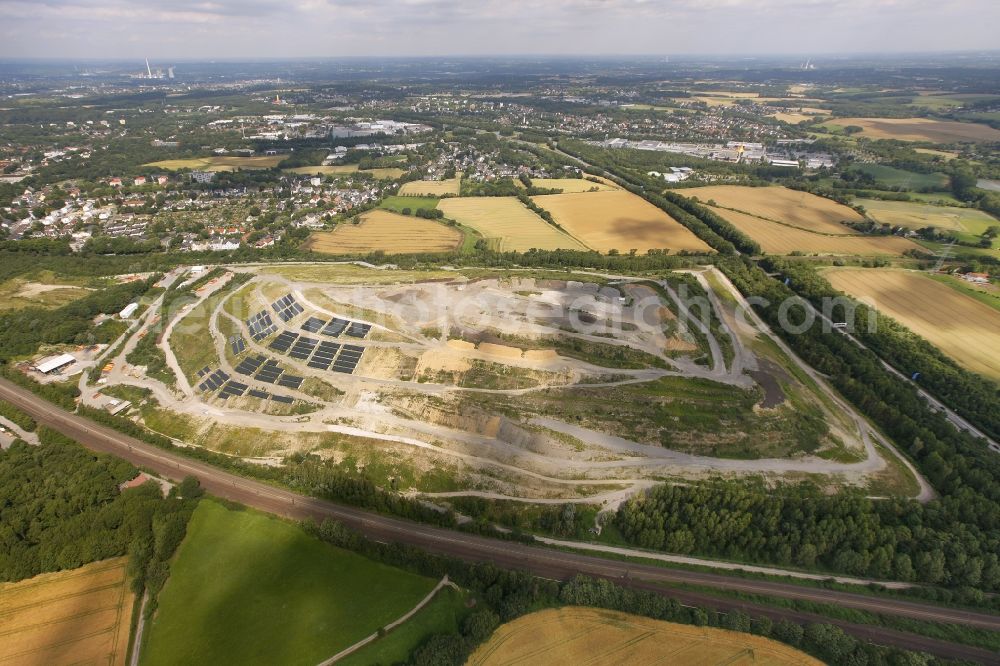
<point>444,582</point>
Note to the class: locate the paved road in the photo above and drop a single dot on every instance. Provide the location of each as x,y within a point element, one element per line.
<point>541,561</point>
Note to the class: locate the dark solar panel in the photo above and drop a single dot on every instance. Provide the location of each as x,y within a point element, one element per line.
<point>282,398</point>
<point>255,393</point>
<point>341,368</point>
<point>313,325</point>
<point>335,327</point>
<point>204,371</point>
<point>289,381</point>
<point>319,364</point>
<point>358,330</point>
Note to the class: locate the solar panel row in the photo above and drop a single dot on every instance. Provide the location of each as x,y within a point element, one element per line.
<point>249,365</point>
<point>289,381</point>
<point>239,345</point>
<point>358,330</point>
<point>283,341</point>
<point>232,389</point>
<point>313,325</point>
<point>214,381</point>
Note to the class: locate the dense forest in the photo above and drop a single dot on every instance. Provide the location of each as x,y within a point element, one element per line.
<point>60,508</point>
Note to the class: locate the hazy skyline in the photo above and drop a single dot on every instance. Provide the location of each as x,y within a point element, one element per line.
<point>325,28</point>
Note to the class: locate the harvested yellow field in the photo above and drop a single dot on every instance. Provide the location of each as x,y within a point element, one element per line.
<point>508,224</point>
<point>575,635</point>
<point>382,230</point>
<point>780,204</point>
<point>947,155</point>
<point>572,185</point>
<point>69,617</point>
<point>777,238</point>
<point>386,173</point>
<point>915,215</point>
<point>959,325</point>
<point>220,163</point>
<point>619,220</point>
<point>323,170</point>
<point>920,129</point>
<point>431,188</point>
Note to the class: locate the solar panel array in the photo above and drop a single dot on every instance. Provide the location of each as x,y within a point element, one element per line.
<point>269,372</point>
<point>250,364</point>
<point>348,359</point>
<point>289,381</point>
<point>233,389</point>
<point>302,348</point>
<point>261,325</point>
<point>313,325</point>
<point>283,341</point>
<point>323,356</point>
<point>238,344</point>
<point>286,307</point>
<point>358,330</point>
<point>214,381</point>
<point>335,327</point>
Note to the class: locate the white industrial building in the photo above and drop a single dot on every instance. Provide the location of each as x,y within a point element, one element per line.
<point>53,363</point>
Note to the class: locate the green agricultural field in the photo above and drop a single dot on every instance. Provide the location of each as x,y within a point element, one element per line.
<point>247,588</point>
<point>915,215</point>
<point>397,203</point>
<point>899,178</point>
<point>442,615</point>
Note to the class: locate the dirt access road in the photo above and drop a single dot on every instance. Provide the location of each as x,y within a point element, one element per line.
<point>540,561</point>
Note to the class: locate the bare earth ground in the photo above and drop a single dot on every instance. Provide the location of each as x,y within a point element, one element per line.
<point>68,617</point>
<point>438,348</point>
<point>962,327</point>
<point>576,635</point>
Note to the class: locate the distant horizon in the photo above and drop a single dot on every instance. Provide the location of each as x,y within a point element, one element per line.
<point>308,29</point>
<point>666,58</point>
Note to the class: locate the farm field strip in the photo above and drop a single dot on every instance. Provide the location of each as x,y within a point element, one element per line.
<point>383,230</point>
<point>220,163</point>
<point>915,215</point>
<point>76,616</point>
<point>578,635</point>
<point>959,325</point>
<point>619,220</point>
<point>780,204</point>
<point>920,129</point>
<point>509,223</point>
<point>777,238</point>
<point>573,185</point>
<point>431,188</point>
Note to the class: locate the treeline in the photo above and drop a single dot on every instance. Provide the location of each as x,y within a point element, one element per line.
<point>60,508</point>
<point>22,331</point>
<point>722,227</point>
<point>957,536</point>
<point>511,594</point>
<point>798,525</point>
<point>975,398</point>
<point>13,414</point>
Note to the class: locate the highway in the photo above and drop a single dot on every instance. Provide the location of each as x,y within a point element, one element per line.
<point>545,562</point>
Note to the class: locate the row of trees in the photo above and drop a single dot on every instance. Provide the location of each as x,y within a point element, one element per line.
<point>510,594</point>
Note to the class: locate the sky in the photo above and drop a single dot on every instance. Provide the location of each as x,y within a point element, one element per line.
<point>199,29</point>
